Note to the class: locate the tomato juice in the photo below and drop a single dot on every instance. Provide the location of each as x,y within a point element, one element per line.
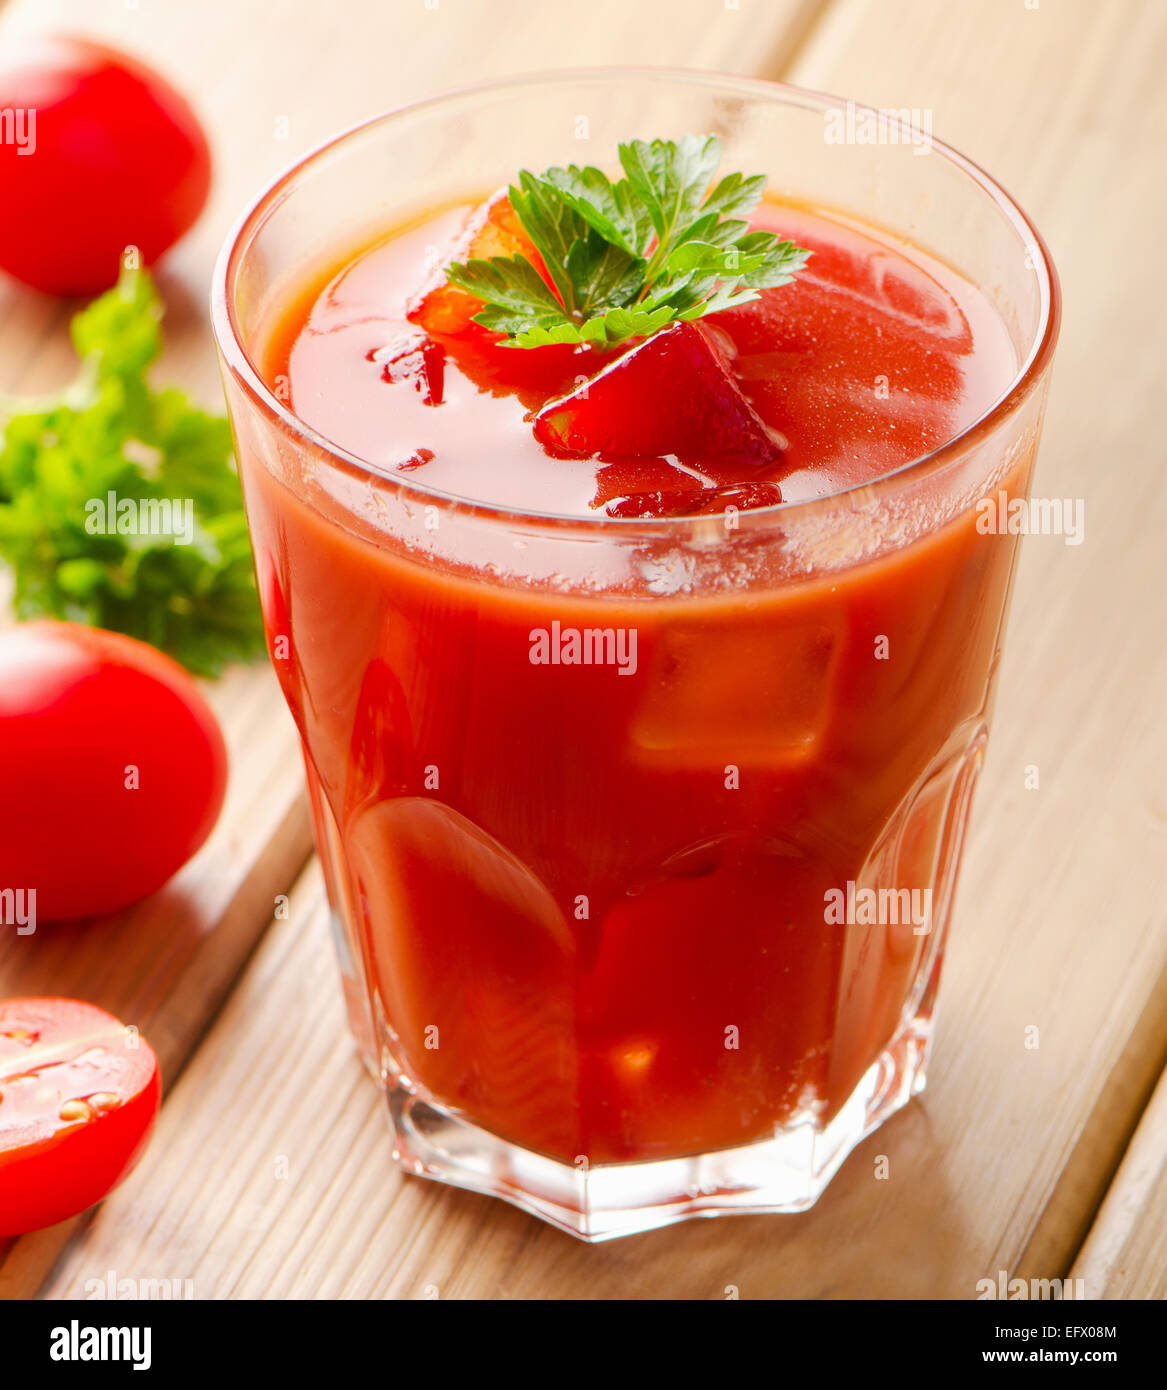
<point>586,787</point>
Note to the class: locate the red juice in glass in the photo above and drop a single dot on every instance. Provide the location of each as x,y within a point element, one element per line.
<point>639,778</point>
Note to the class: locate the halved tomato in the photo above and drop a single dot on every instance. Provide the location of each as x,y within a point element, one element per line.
<point>78,1096</point>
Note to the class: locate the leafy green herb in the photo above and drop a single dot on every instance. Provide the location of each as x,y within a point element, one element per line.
<point>120,505</point>
<point>628,257</point>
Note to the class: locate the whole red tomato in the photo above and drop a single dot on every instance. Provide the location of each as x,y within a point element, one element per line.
<point>78,1097</point>
<point>113,765</point>
<point>97,153</point>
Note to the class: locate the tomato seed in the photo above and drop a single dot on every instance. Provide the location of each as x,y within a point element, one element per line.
<point>76,1110</point>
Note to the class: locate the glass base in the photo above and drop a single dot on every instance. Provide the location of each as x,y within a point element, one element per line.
<point>785,1174</point>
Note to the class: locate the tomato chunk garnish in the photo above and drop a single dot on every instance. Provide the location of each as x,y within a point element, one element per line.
<point>673,394</point>
<point>493,230</point>
<point>78,1096</point>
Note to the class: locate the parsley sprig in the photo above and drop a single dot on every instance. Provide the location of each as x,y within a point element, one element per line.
<point>661,244</point>
<point>111,432</point>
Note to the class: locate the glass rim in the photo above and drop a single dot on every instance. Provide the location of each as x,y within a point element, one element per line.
<point>237,361</point>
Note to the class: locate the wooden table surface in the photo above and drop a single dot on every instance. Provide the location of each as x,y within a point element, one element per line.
<point>270,1173</point>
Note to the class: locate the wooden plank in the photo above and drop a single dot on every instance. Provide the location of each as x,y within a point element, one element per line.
<point>1003,1162</point>
<point>1059,921</point>
<point>1125,1254</point>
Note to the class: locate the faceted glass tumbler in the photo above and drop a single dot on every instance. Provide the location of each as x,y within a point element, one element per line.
<point>580,909</point>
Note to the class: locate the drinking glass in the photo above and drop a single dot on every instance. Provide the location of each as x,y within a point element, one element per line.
<point>600,925</point>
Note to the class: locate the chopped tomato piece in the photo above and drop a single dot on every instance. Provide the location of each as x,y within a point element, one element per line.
<point>416,359</point>
<point>663,502</point>
<point>534,375</point>
<point>742,496</point>
<point>672,394</point>
<point>494,230</point>
<point>695,501</point>
<point>631,477</point>
<point>655,487</point>
<point>78,1097</point>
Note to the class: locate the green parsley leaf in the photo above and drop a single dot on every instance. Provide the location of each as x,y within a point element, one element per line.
<point>627,257</point>
<point>184,581</point>
<point>613,209</point>
<point>602,273</point>
<point>557,226</point>
<point>515,291</point>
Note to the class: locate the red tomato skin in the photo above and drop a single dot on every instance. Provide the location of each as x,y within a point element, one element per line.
<point>80,710</point>
<point>71,1174</point>
<point>61,1176</point>
<point>119,159</point>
